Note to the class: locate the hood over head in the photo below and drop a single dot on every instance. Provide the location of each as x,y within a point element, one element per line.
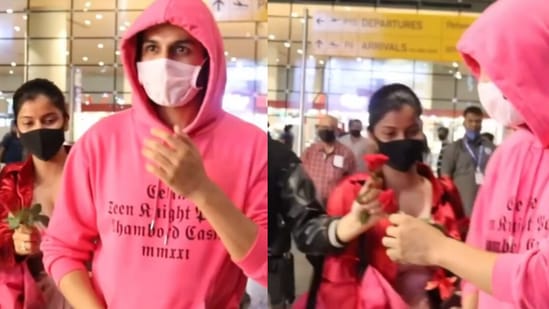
<point>194,17</point>
<point>510,43</point>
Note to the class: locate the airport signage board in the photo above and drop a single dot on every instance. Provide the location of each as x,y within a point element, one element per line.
<point>389,35</point>
<point>239,10</point>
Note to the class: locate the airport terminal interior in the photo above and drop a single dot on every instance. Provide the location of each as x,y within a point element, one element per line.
<point>288,63</point>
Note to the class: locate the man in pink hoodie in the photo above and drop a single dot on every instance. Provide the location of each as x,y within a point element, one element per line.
<point>169,198</point>
<point>505,263</point>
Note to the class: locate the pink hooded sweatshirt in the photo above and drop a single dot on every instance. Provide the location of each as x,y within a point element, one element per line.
<point>510,42</point>
<point>108,201</point>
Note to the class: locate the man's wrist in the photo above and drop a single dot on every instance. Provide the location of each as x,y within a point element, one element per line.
<point>440,251</point>
<point>203,191</point>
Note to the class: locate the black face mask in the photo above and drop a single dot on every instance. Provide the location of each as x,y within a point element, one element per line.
<point>327,136</point>
<point>403,154</point>
<point>43,143</point>
<point>355,133</point>
<point>442,137</point>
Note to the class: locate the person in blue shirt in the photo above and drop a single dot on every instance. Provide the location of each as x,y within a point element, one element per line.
<point>11,149</point>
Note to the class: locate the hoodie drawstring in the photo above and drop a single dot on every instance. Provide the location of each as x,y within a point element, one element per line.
<point>155,211</point>
<point>157,200</point>
<point>167,236</point>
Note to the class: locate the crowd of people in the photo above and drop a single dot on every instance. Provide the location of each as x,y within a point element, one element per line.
<point>164,206</point>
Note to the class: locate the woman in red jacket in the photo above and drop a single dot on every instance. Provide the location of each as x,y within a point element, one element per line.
<point>41,118</point>
<point>362,276</point>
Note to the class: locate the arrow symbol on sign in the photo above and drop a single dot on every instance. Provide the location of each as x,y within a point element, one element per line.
<point>240,4</point>
<point>217,4</point>
<point>333,44</point>
<point>319,43</point>
<point>319,20</point>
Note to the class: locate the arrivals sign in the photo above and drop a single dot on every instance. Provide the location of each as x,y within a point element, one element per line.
<point>238,10</point>
<point>419,36</point>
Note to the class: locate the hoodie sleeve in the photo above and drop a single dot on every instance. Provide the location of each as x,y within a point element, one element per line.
<point>521,279</point>
<point>254,263</point>
<point>474,234</point>
<point>481,208</point>
<point>69,240</point>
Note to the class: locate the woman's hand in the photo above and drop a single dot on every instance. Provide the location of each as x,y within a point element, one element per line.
<point>367,204</point>
<point>26,240</point>
<point>367,207</point>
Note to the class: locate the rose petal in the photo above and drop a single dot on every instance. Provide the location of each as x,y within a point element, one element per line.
<point>375,161</point>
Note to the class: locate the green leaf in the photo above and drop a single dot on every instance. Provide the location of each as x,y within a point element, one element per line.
<point>45,220</point>
<point>30,219</point>
<point>13,223</point>
<point>36,209</point>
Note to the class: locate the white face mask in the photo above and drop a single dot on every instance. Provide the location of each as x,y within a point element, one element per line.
<point>168,82</point>
<point>497,106</point>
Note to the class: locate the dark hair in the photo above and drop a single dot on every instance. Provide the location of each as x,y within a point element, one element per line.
<point>475,110</point>
<point>391,98</point>
<point>426,143</point>
<point>32,89</point>
<point>354,121</point>
<point>488,136</point>
<point>444,130</point>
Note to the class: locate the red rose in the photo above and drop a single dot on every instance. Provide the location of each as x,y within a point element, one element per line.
<point>375,161</point>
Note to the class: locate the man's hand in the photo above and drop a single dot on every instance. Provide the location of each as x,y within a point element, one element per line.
<point>412,240</point>
<point>174,159</point>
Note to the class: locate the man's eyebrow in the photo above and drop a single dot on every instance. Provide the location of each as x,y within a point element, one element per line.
<point>183,41</point>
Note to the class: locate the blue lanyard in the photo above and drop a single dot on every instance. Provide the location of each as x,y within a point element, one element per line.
<point>476,159</point>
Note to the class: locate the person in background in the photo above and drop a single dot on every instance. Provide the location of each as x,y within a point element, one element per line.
<point>11,149</point>
<point>358,144</point>
<point>427,155</point>
<point>41,119</point>
<point>287,137</point>
<point>294,211</point>
<point>443,133</point>
<point>168,198</point>
<point>327,161</point>
<point>340,130</point>
<point>465,160</point>
<point>504,263</point>
<point>489,136</point>
<point>362,276</point>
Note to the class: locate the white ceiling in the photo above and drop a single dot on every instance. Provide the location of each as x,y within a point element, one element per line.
<point>21,5</point>
<point>94,30</point>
